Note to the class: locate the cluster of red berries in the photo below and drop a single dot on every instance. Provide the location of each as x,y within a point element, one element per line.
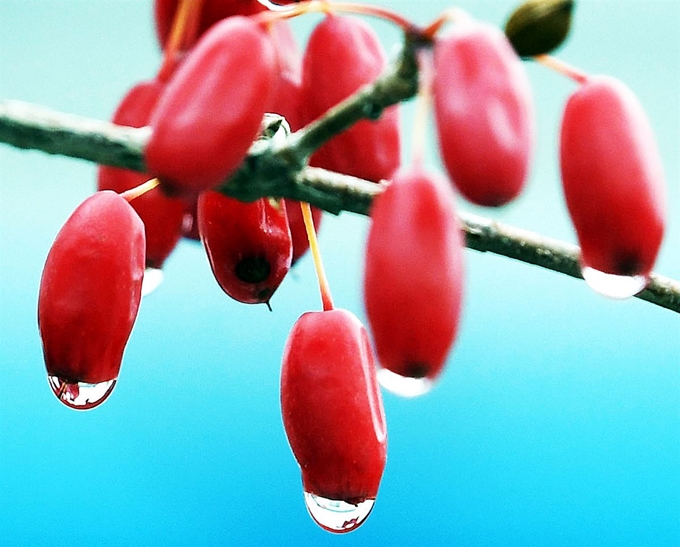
<point>225,66</point>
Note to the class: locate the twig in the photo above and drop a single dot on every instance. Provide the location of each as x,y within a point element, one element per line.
<point>34,127</point>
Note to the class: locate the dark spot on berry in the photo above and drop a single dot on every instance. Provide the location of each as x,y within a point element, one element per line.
<point>253,269</point>
<point>628,264</point>
<point>415,370</point>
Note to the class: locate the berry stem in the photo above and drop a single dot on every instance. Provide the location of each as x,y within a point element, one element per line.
<point>423,106</point>
<point>323,6</point>
<point>324,289</point>
<point>184,27</point>
<point>561,67</point>
<point>140,190</point>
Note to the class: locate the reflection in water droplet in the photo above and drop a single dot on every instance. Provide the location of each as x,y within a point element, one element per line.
<point>403,385</point>
<point>614,286</point>
<point>153,277</point>
<point>336,515</point>
<point>80,395</point>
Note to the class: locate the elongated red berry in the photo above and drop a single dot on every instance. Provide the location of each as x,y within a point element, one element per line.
<point>483,112</point>
<point>333,416</point>
<point>162,215</point>
<point>89,296</point>
<point>342,55</point>
<point>211,110</point>
<point>248,244</point>
<point>413,279</point>
<point>613,179</point>
<point>212,11</point>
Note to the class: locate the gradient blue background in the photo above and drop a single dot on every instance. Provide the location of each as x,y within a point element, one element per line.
<point>557,421</point>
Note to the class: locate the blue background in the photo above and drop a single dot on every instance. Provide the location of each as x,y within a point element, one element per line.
<point>557,421</point>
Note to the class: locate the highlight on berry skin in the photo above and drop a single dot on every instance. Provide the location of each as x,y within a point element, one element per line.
<point>90,292</point>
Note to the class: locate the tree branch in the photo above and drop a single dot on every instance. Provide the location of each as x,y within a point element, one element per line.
<point>265,173</point>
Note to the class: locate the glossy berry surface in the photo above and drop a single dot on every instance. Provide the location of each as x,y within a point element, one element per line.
<point>91,289</point>
<point>413,279</point>
<point>343,54</point>
<point>248,244</point>
<point>332,410</point>
<point>162,215</point>
<point>613,178</point>
<point>483,112</point>
<point>207,118</point>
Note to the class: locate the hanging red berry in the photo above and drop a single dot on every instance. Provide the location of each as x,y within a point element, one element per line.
<point>162,216</point>
<point>333,417</point>
<point>413,281</point>
<point>614,185</point>
<point>211,110</point>
<point>342,55</point>
<point>248,244</point>
<point>89,296</point>
<point>483,112</point>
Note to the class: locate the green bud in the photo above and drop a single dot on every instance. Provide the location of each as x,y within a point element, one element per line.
<point>539,26</point>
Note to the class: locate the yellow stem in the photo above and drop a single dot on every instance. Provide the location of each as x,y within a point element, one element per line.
<point>142,189</point>
<point>326,298</point>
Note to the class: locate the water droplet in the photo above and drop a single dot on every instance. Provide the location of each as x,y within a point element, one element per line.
<point>80,395</point>
<point>614,286</point>
<point>153,277</point>
<point>403,385</point>
<point>336,515</point>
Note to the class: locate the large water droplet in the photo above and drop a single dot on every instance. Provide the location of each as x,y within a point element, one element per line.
<point>614,286</point>
<point>80,395</point>
<point>403,385</point>
<point>336,515</point>
<point>153,277</point>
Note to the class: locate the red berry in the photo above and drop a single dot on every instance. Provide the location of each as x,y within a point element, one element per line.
<point>413,280</point>
<point>248,244</point>
<point>287,90</point>
<point>89,295</point>
<point>484,113</point>
<point>333,416</point>
<point>162,215</point>
<point>613,178</point>
<point>212,11</point>
<point>342,55</point>
<point>211,110</point>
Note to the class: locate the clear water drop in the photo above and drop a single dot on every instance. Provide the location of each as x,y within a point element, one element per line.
<point>336,515</point>
<point>614,286</point>
<point>79,395</point>
<point>153,277</point>
<point>403,385</point>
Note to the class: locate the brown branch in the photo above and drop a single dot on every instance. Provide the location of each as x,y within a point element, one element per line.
<point>276,166</point>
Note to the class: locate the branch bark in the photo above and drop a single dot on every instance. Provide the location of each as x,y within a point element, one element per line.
<point>266,172</point>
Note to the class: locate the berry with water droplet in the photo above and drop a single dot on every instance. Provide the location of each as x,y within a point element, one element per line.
<point>333,416</point>
<point>413,279</point>
<point>162,215</point>
<point>613,180</point>
<point>89,297</point>
<point>342,55</point>
<point>207,118</point>
<point>484,113</point>
<point>248,244</point>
